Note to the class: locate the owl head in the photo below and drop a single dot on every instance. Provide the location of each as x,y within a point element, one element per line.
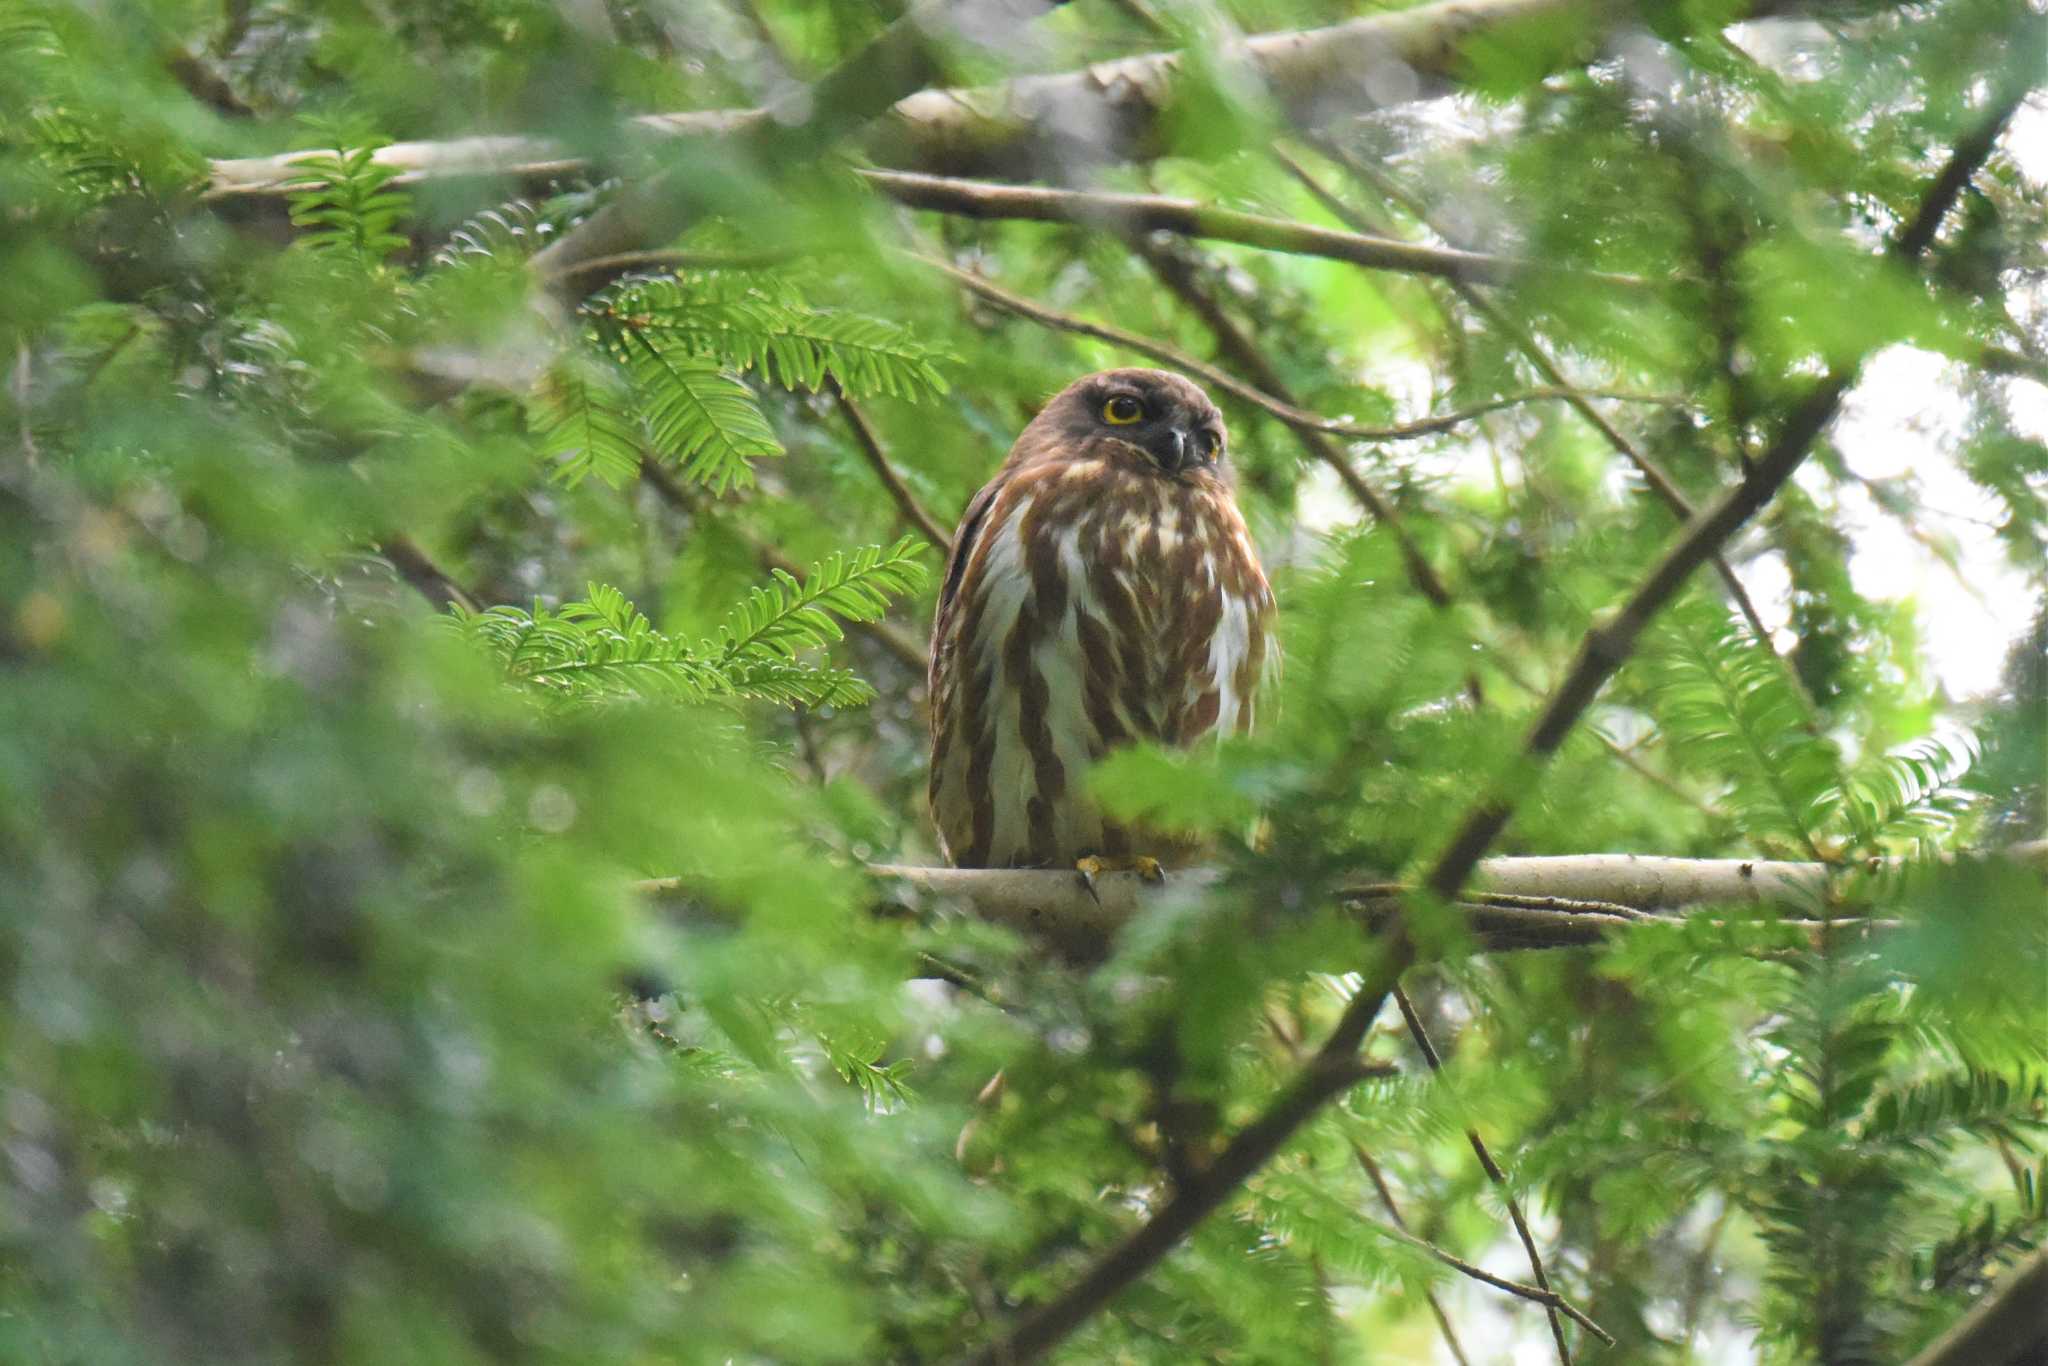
<point>1153,417</point>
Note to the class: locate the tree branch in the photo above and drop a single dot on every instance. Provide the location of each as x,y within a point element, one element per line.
<point>1129,214</point>
<point>1606,646</point>
<point>1559,901</point>
<point>1239,348</point>
<point>2005,1329</point>
<point>1555,1303</point>
<point>417,568</point>
<point>1263,398</point>
<point>878,460</point>
<point>1112,111</point>
<point>1499,1179</point>
<point>792,130</point>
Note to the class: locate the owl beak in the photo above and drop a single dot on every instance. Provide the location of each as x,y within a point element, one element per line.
<point>1174,449</point>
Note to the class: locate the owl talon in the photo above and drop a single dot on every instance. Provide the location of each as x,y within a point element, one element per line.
<point>1093,866</point>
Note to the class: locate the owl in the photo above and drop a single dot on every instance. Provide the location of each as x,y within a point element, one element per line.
<point>1102,590</point>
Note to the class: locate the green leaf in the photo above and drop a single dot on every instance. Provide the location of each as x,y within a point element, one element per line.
<point>787,616</point>
<point>581,413</point>
<point>701,419</point>
<point>343,196</point>
<point>799,346</point>
<point>603,649</point>
<point>1729,709</point>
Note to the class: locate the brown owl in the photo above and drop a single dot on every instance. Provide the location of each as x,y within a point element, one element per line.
<point>1102,590</point>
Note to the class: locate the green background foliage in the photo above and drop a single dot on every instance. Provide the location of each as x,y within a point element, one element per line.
<point>342,712</point>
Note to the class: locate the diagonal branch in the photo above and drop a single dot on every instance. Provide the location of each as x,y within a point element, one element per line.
<point>2000,1329</point>
<point>1606,646</point>
<point>1535,1294</point>
<point>417,568</point>
<point>878,460</point>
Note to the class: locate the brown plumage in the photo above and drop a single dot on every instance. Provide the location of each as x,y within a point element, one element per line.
<point>1102,590</point>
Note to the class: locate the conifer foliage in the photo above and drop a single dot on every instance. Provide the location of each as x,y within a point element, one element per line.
<point>467,478</point>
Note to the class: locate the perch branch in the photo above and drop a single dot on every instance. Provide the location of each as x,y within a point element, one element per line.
<point>1547,901</point>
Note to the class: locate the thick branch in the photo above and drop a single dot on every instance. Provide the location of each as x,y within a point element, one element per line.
<point>1108,112</point>
<point>1543,902</point>
<point>2007,1328</point>
<point>790,132</point>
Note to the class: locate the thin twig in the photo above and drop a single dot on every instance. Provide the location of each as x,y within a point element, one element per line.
<point>1553,1302</point>
<point>878,460</point>
<point>1500,1183</point>
<point>1239,348</point>
<point>622,262</point>
<point>1258,397</point>
<point>1292,1044</point>
<point>22,382</point>
<point>1606,646</point>
<point>1386,1194</point>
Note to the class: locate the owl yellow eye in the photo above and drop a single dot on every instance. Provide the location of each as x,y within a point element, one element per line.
<point>1122,410</point>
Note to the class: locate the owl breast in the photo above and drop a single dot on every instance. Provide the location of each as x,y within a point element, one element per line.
<point>1087,607</point>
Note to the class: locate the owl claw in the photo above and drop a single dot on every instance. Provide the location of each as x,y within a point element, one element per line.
<point>1093,866</point>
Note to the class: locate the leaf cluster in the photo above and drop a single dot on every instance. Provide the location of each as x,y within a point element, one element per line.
<point>602,648</point>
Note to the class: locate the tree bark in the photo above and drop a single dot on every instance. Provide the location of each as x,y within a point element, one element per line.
<point>1542,902</point>
<point>1112,111</point>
